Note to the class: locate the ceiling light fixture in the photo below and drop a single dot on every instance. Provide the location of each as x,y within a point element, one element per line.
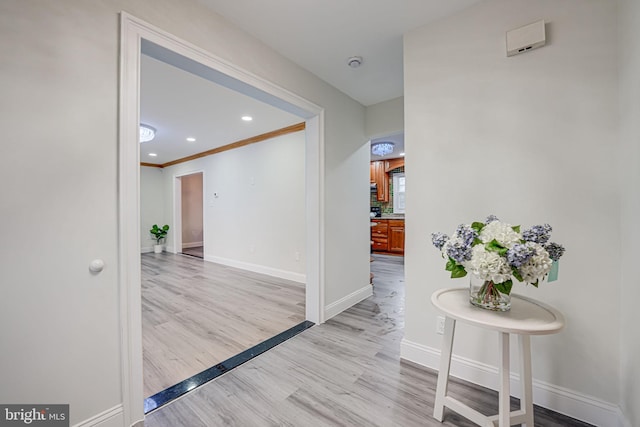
<point>191,139</point>
<point>354,61</point>
<point>147,133</point>
<point>247,118</point>
<point>382,148</point>
<point>153,154</point>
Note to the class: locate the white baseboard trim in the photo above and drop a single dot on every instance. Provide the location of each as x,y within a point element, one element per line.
<point>269,271</point>
<point>146,249</point>
<point>559,399</point>
<point>113,417</point>
<point>191,244</point>
<point>349,301</point>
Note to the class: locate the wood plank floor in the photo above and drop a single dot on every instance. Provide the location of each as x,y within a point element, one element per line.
<point>346,372</point>
<point>196,314</point>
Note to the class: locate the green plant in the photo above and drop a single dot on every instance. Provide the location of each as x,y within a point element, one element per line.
<point>159,233</point>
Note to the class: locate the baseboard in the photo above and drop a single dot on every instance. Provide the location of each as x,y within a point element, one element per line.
<point>146,249</point>
<point>113,417</point>
<point>269,271</point>
<point>559,399</point>
<point>348,301</point>
<point>191,245</point>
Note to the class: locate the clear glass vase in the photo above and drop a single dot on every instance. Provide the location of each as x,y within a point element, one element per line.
<point>483,293</point>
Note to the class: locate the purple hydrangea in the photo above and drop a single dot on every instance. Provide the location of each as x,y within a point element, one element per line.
<point>537,234</point>
<point>466,234</point>
<point>555,250</point>
<point>491,218</point>
<point>459,251</point>
<point>439,239</point>
<point>519,254</point>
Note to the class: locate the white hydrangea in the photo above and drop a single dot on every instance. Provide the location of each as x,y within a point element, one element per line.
<point>502,232</point>
<point>488,265</point>
<point>537,266</point>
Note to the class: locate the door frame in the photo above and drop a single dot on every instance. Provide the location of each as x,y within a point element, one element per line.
<point>134,33</point>
<point>177,209</point>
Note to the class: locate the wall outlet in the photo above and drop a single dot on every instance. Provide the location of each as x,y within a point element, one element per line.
<point>440,325</point>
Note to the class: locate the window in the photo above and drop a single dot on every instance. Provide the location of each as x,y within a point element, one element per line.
<point>398,193</point>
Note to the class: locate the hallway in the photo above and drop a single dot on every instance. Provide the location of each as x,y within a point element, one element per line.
<point>346,372</point>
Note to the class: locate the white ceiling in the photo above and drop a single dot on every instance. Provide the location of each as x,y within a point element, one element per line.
<point>318,35</point>
<point>179,105</point>
<point>321,35</point>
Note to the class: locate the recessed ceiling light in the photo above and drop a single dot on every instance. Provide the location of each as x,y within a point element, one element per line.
<point>402,154</point>
<point>247,118</point>
<point>153,154</point>
<point>191,139</point>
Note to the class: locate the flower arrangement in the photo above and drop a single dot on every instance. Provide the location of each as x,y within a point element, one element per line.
<point>496,252</point>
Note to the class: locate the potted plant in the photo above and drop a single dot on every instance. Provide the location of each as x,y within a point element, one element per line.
<point>159,234</point>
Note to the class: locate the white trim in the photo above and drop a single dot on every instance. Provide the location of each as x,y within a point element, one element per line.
<point>133,32</point>
<point>191,244</point>
<point>350,300</point>
<point>113,417</point>
<point>146,249</point>
<point>559,399</point>
<point>256,268</point>
<point>624,421</point>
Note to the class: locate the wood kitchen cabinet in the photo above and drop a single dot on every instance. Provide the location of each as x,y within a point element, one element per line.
<point>387,236</point>
<point>396,236</point>
<point>380,235</point>
<point>381,178</point>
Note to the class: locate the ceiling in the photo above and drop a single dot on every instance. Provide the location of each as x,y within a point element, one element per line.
<point>179,105</point>
<point>321,35</point>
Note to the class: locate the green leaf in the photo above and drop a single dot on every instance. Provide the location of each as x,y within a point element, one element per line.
<point>458,272</point>
<point>494,246</point>
<point>516,228</point>
<point>535,284</point>
<point>516,274</point>
<point>451,264</point>
<point>476,241</point>
<point>478,226</point>
<point>504,287</point>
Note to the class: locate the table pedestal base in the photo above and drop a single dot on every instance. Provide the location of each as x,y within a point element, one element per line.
<point>505,417</point>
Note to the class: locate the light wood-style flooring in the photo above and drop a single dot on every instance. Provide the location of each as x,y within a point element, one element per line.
<point>196,314</point>
<point>346,372</point>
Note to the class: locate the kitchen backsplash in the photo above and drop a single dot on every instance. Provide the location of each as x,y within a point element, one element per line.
<point>387,207</point>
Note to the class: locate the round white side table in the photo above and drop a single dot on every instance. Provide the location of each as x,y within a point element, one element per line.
<point>527,317</point>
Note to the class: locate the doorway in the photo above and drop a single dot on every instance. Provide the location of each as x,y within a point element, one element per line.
<point>136,36</point>
<point>191,214</point>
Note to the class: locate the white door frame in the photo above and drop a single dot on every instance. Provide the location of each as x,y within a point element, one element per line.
<point>133,33</point>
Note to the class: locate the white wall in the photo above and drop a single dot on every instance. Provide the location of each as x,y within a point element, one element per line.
<point>629,62</point>
<point>531,139</point>
<point>151,205</point>
<point>385,118</point>
<point>60,84</point>
<point>254,205</point>
<point>192,210</point>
